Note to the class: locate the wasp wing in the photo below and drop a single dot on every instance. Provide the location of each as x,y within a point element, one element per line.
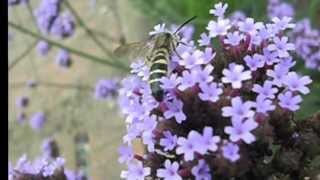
<point>133,51</point>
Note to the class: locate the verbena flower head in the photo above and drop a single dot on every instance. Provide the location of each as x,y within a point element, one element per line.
<point>307,40</point>
<point>106,89</point>
<point>63,59</point>
<point>218,103</point>
<point>43,48</point>
<point>22,102</point>
<point>37,121</point>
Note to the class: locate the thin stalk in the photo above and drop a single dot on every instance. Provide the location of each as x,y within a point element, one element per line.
<point>87,29</point>
<point>23,54</point>
<point>71,50</point>
<point>53,85</point>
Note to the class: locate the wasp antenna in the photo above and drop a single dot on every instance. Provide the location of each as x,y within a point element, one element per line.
<point>185,23</point>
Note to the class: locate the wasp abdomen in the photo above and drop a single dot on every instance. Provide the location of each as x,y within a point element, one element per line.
<point>159,69</point>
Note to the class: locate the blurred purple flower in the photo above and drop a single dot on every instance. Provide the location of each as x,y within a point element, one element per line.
<point>204,40</point>
<point>170,171</point>
<point>175,110</point>
<point>106,89</point>
<point>169,141</point>
<point>22,102</point>
<point>37,120</point>
<point>201,171</point>
<point>289,101</point>
<point>136,171</point>
<point>43,48</point>
<point>63,59</point>
<point>296,83</point>
<point>126,154</point>
<point>230,151</point>
<point>254,62</point>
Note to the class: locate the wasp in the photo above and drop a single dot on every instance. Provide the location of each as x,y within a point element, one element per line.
<point>157,51</point>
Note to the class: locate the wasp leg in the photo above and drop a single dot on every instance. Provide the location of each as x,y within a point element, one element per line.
<point>175,51</point>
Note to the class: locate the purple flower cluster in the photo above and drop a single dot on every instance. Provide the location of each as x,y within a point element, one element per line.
<point>216,101</point>
<point>40,167</point>
<point>106,89</point>
<point>43,48</point>
<point>307,42</point>
<point>51,21</point>
<point>46,166</point>
<point>22,102</point>
<point>17,2</point>
<point>37,121</point>
<point>276,8</point>
<point>63,59</point>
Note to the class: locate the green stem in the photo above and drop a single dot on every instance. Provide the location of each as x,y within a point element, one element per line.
<point>24,54</point>
<point>71,50</point>
<point>87,29</point>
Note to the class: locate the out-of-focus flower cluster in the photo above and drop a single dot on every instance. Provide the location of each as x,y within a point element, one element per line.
<point>106,89</point>
<point>47,166</point>
<point>51,21</point>
<point>305,38</point>
<point>37,120</point>
<point>17,2</point>
<point>307,42</point>
<point>221,100</point>
<point>277,8</point>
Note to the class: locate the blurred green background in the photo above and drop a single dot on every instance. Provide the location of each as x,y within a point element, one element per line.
<point>70,110</point>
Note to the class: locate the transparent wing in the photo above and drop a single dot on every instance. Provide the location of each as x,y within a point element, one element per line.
<point>132,51</point>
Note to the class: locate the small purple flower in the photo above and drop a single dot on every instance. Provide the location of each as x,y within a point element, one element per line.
<point>63,59</point>
<point>31,83</point>
<point>278,74</point>
<point>208,55</point>
<point>281,46</point>
<point>270,57</point>
<point>230,151</point>
<point>126,154</point>
<point>240,130</point>
<point>283,23</point>
<point>169,82</point>
<point>43,48</point>
<point>169,141</point>
<point>264,105</point>
<point>210,92</point>
<point>175,110</point>
<point>63,26</point>
<point>208,141</point>
<point>186,81</point>
<point>235,75</point>
<point>265,91</point>
<point>254,62</point>
<point>105,89</point>
<point>201,171</point>
<point>203,75</point>
<point>296,83</point>
<point>136,171</point>
<point>191,60</point>
<point>204,40</point>
<point>37,120</point>
<point>233,39</point>
<point>219,28</point>
<point>170,172</point>
<point>249,26</point>
<point>219,10</point>
<point>238,110</point>
<point>189,146</point>
<point>289,101</point>
<point>22,102</point>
